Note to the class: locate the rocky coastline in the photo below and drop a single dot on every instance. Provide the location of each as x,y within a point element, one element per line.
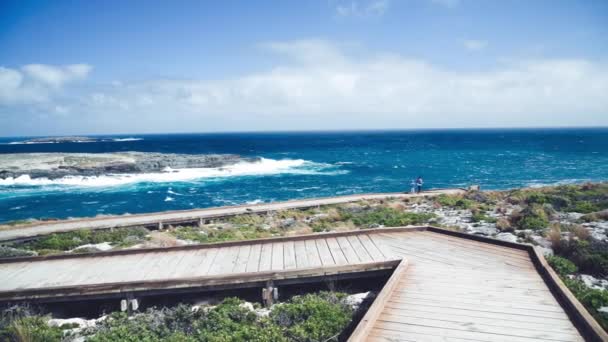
<point>58,165</point>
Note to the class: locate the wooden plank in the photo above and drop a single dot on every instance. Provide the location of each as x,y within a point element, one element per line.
<point>371,248</point>
<point>488,308</point>
<point>347,249</point>
<point>336,251</point>
<point>324,253</point>
<point>393,308</point>
<point>289,254</point>
<point>301,254</point>
<point>225,260</point>
<point>254,258</point>
<point>242,259</point>
<point>312,253</point>
<point>265,258</point>
<point>404,329</point>
<point>277,256</point>
<point>358,247</point>
<point>411,313</point>
<point>189,265</point>
<point>208,261</point>
<point>369,320</point>
<point>482,328</point>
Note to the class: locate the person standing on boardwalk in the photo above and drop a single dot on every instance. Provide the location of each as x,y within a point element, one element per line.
<point>419,183</point>
<point>413,184</point>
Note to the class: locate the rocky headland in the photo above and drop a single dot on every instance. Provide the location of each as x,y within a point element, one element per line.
<point>57,165</point>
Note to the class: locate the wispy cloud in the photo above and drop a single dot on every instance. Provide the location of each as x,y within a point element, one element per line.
<point>362,9</point>
<point>475,45</point>
<point>38,82</point>
<point>332,89</point>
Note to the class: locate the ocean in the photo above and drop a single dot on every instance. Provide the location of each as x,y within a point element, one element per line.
<point>304,165</point>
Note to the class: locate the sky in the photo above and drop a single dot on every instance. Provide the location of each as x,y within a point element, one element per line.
<point>135,66</point>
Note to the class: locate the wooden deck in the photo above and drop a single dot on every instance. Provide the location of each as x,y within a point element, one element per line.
<point>445,287</point>
<point>135,270</point>
<point>194,216</point>
<point>463,290</point>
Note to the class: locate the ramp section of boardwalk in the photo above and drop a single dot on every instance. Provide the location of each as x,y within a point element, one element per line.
<point>192,266</point>
<point>191,216</point>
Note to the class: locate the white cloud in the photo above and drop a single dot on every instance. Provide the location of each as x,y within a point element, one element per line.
<point>323,87</point>
<point>35,83</point>
<point>475,45</point>
<point>362,9</point>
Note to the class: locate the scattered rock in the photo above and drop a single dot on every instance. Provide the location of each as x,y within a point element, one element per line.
<point>594,283</point>
<point>287,223</point>
<point>509,237</point>
<point>355,300</point>
<point>9,252</point>
<point>92,248</point>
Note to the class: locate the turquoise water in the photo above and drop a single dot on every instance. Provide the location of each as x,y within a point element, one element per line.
<point>300,165</point>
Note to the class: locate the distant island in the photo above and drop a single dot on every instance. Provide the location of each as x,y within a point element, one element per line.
<point>56,140</point>
<point>57,165</point>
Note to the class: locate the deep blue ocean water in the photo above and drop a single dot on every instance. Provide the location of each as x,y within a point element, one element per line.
<point>300,165</point>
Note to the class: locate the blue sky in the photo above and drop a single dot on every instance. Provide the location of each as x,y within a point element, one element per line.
<point>78,67</point>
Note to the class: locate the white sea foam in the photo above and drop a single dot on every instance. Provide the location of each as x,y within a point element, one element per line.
<point>257,201</point>
<point>126,139</point>
<point>169,199</point>
<point>262,167</point>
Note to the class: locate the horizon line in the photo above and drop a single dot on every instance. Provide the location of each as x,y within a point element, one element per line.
<point>346,130</point>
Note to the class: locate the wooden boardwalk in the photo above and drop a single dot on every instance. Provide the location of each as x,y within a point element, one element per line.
<point>134,270</point>
<point>445,287</point>
<point>191,216</point>
<point>462,290</point>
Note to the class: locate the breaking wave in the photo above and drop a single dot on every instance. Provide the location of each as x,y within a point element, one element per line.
<point>126,139</point>
<point>263,167</point>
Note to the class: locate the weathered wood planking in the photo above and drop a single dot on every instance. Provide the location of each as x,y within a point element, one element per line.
<point>455,288</point>
<point>460,290</point>
<point>314,251</point>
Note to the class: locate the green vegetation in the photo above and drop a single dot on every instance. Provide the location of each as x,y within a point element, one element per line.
<point>586,198</point>
<point>592,299</point>
<point>590,256</point>
<point>219,235</point>
<point>23,324</point>
<point>59,242</point>
<point>562,266</point>
<point>532,217</point>
<point>479,216</point>
<point>454,201</point>
<point>312,317</point>
<point>385,216</point>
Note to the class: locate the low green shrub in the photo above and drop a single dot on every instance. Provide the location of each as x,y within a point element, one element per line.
<point>591,257</point>
<point>562,266</point>
<point>312,317</point>
<point>592,299</point>
<point>9,252</point>
<point>479,216</point>
<point>385,216</point>
<point>531,217</point>
<point>122,237</point>
<point>452,201</point>
<point>30,329</point>
<point>220,235</point>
